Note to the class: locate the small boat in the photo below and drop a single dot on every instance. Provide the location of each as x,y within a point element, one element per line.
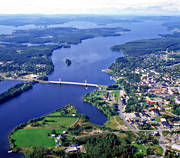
<point>10,151</point>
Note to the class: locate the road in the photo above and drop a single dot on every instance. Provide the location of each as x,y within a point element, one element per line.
<point>161,139</point>
<point>58,82</point>
<point>121,115</point>
<point>71,83</point>
<point>136,130</point>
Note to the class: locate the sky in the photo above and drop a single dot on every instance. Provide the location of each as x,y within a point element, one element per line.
<point>138,7</point>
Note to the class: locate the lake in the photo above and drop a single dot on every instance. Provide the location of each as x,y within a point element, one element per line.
<point>88,59</point>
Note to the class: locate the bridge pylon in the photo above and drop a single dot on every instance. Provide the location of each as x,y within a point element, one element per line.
<point>85,83</point>
<point>60,81</point>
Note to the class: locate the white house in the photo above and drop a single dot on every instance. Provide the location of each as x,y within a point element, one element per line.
<point>176,147</point>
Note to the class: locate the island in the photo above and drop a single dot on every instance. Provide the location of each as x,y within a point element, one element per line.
<point>28,52</point>
<point>68,62</point>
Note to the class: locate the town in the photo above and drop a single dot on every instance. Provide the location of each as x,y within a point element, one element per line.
<point>145,97</point>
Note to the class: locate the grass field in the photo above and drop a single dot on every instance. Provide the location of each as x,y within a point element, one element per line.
<point>111,123</point>
<point>33,138</point>
<point>158,119</point>
<point>56,122</point>
<point>119,120</point>
<point>141,147</point>
<point>158,149</point>
<point>116,93</point>
<point>114,122</point>
<point>35,133</point>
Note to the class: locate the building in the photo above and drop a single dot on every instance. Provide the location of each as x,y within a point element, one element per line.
<point>177,100</point>
<point>175,147</point>
<point>154,101</point>
<point>71,149</point>
<point>157,107</point>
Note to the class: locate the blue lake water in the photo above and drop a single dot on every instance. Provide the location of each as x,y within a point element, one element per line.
<point>5,85</point>
<point>88,59</point>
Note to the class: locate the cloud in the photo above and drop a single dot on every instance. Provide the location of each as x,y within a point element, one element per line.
<point>89,6</point>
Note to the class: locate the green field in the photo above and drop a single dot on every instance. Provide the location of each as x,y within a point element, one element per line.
<point>119,120</point>
<point>141,147</point>
<point>116,93</point>
<point>158,119</point>
<point>111,123</point>
<point>158,149</point>
<point>37,132</point>
<point>57,121</point>
<point>114,122</point>
<point>33,138</point>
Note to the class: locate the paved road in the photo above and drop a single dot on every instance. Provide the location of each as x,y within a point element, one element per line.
<point>59,82</point>
<point>136,130</point>
<point>121,115</point>
<point>161,139</point>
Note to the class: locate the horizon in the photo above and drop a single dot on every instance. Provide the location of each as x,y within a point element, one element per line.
<point>94,7</point>
<point>86,14</point>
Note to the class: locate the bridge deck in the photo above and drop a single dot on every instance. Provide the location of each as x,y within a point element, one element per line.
<point>61,82</point>
<point>74,83</point>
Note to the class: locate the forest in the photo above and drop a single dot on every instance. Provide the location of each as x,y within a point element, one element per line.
<point>21,59</point>
<point>15,91</point>
<point>28,51</point>
<point>104,146</point>
<point>143,47</point>
<point>58,35</point>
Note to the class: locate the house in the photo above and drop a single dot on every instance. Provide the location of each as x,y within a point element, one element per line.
<point>154,101</point>
<point>167,102</point>
<point>147,115</point>
<point>33,76</point>
<point>163,120</point>
<point>157,107</point>
<point>156,112</point>
<point>156,133</point>
<point>176,124</point>
<point>143,113</point>
<point>144,122</point>
<point>159,90</point>
<point>71,149</point>
<point>137,115</point>
<point>177,100</point>
<point>164,123</point>
<point>60,137</point>
<point>170,91</point>
<point>175,147</point>
<point>150,108</point>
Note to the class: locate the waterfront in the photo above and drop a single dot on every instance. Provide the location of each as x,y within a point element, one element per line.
<point>88,59</point>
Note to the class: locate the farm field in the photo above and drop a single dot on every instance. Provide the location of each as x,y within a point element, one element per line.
<point>38,132</point>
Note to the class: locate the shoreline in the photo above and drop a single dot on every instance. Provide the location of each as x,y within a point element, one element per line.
<point>61,45</point>
<point>106,70</point>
